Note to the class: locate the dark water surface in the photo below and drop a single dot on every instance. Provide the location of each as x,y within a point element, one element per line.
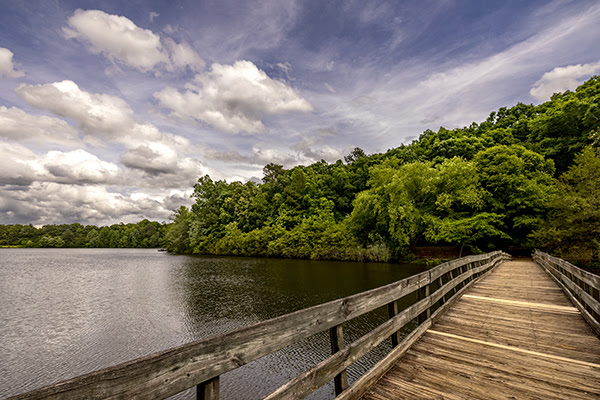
<point>65,312</point>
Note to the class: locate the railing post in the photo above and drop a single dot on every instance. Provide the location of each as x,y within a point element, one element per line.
<point>440,284</point>
<point>423,293</point>
<point>340,381</point>
<point>208,390</point>
<point>392,312</point>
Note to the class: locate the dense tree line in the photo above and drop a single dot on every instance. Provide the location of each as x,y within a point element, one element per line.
<point>513,180</point>
<point>528,176</point>
<point>144,234</point>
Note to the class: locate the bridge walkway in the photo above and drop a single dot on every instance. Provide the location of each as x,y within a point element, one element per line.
<point>512,335</point>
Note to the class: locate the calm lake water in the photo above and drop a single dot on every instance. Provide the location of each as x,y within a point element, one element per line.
<point>65,312</point>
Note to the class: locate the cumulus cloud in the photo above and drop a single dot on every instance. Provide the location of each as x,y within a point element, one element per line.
<point>561,79</point>
<point>14,167</point>
<point>152,157</point>
<point>47,203</point>
<point>117,38</point>
<point>110,118</point>
<point>233,98</point>
<point>21,166</point>
<point>77,167</point>
<point>120,40</point>
<point>95,113</point>
<point>16,124</point>
<point>7,68</point>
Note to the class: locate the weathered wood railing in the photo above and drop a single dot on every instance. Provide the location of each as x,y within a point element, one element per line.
<point>201,363</point>
<point>582,287</point>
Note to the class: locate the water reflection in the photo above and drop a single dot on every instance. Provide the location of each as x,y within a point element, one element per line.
<point>224,293</point>
<point>65,312</point>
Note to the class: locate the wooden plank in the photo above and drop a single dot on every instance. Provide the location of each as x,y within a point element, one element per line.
<point>584,297</point>
<point>568,310</point>
<point>593,322</point>
<point>482,348</point>
<point>512,348</point>
<point>587,277</point>
<point>366,382</point>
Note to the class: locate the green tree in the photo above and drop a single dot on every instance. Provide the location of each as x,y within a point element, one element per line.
<point>177,238</point>
<point>416,201</point>
<point>519,183</point>
<point>573,223</point>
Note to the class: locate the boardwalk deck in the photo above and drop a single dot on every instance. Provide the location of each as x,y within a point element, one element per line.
<point>513,335</point>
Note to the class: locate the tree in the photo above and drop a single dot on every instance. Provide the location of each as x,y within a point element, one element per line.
<point>567,123</point>
<point>416,201</point>
<point>519,183</point>
<point>573,222</point>
<point>356,154</point>
<point>177,238</point>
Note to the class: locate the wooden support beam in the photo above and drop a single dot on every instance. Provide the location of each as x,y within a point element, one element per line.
<point>340,381</point>
<point>208,390</point>
<point>392,312</point>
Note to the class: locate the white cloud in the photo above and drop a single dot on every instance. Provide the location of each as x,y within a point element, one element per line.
<point>152,15</point>
<point>117,37</point>
<point>6,64</point>
<point>110,119</point>
<point>120,40</point>
<point>152,157</point>
<point>96,113</point>
<point>21,166</point>
<point>16,124</point>
<point>561,79</point>
<point>233,98</point>
<point>46,203</point>
<point>182,55</point>
<point>14,167</point>
<point>77,167</point>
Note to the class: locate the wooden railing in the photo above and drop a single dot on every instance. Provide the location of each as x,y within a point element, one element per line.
<point>582,287</point>
<point>201,363</point>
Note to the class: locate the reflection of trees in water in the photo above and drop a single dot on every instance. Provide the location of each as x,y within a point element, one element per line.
<point>225,293</point>
<point>229,292</point>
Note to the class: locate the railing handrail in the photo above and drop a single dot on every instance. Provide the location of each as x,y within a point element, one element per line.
<point>169,372</point>
<point>582,287</point>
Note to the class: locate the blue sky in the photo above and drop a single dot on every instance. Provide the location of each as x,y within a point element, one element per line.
<point>111,110</point>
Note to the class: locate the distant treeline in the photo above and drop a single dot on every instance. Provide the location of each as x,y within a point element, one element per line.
<point>527,176</point>
<point>144,234</point>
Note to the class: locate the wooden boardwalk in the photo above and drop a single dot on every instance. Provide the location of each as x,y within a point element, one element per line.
<point>513,335</point>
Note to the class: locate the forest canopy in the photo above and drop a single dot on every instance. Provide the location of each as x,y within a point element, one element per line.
<point>528,176</point>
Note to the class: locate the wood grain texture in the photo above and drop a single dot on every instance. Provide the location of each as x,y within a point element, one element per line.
<point>581,287</point>
<point>513,336</point>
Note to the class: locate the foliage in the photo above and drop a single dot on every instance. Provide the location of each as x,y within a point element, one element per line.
<point>144,234</point>
<point>573,223</point>
<point>519,183</point>
<point>420,200</point>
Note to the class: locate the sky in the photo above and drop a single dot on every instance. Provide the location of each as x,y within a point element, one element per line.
<point>110,111</point>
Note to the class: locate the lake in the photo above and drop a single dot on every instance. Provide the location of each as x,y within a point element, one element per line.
<point>65,312</point>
